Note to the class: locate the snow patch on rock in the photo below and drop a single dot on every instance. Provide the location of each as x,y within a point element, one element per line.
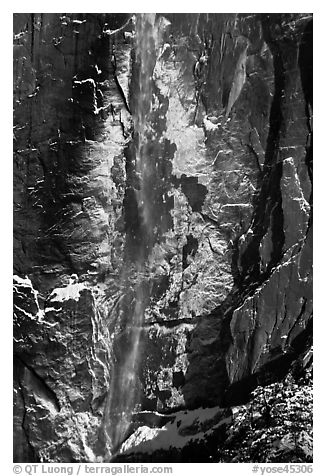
<point>188,426</point>
<point>209,125</point>
<point>72,291</point>
<point>21,285</point>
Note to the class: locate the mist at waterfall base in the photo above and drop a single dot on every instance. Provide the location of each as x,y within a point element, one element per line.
<point>125,387</point>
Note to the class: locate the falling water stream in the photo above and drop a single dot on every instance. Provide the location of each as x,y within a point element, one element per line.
<point>124,388</point>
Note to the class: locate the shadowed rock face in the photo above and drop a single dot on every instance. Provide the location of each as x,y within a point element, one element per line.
<point>225,281</point>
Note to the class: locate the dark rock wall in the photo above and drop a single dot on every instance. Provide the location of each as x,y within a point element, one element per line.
<point>227,282</point>
<point>71,124</point>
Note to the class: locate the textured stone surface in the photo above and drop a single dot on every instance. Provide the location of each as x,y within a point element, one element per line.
<point>226,279</point>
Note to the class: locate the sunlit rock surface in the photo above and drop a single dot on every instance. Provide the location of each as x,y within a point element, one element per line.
<point>225,281</point>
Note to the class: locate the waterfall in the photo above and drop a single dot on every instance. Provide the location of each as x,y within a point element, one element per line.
<point>145,47</point>
<point>124,388</point>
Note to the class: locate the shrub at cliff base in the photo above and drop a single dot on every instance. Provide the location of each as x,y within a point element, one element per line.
<point>275,427</point>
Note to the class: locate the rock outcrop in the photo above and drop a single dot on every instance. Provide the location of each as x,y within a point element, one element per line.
<point>222,178</point>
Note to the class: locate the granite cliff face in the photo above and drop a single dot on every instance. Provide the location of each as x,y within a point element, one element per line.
<point>162,223</point>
